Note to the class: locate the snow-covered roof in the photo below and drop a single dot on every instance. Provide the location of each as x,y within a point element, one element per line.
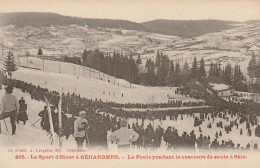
<point>219,87</point>
<point>215,84</point>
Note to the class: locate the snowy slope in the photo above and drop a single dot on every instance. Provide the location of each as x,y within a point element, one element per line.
<point>94,88</point>
<point>85,81</point>
<point>224,46</point>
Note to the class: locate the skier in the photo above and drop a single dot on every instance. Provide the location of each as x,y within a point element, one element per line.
<point>140,139</point>
<point>158,136</point>
<point>43,114</point>
<point>214,145</point>
<point>22,115</point>
<point>68,126</point>
<point>123,136</point>
<point>101,134</point>
<point>149,137</point>
<point>192,139</point>
<point>255,148</point>
<point>206,142</point>
<point>80,125</point>
<point>9,107</point>
<point>166,135</point>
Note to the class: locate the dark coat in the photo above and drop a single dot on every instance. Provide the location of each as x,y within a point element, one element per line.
<point>22,115</point>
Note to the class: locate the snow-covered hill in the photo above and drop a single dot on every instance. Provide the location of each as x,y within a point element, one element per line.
<point>81,80</point>
<point>224,46</point>
<point>220,47</point>
<point>73,39</point>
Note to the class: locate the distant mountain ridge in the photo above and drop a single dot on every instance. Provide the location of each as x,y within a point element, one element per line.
<point>182,28</point>
<point>252,22</point>
<point>36,19</point>
<point>187,28</point>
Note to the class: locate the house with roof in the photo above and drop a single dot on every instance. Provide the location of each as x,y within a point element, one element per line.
<point>217,86</point>
<point>197,89</point>
<point>211,86</point>
<point>244,49</point>
<point>247,96</point>
<point>255,50</point>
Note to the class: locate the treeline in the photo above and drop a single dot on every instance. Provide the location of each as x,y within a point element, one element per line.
<point>116,65</point>
<point>253,69</point>
<point>235,77</point>
<point>161,72</point>
<point>74,60</point>
<point>164,72</point>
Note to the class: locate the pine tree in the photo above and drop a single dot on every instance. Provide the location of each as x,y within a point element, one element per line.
<point>139,61</point>
<point>158,59</point>
<point>194,68</point>
<point>227,74</point>
<point>40,51</point>
<point>177,75</point>
<point>114,63</point>
<point>150,75</point>
<point>211,70</point>
<point>162,70</point>
<point>9,64</point>
<point>257,70</point>
<point>252,68</point>
<point>147,63</point>
<point>238,79</point>
<point>85,57</point>
<point>160,76</point>
<point>185,74</point>
<point>170,75</point>
<point>217,70</point>
<point>202,71</point>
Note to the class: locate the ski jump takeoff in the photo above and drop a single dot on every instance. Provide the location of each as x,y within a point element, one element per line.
<point>9,108</point>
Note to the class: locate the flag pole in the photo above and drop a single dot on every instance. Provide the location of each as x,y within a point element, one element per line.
<point>60,118</point>
<point>50,121</point>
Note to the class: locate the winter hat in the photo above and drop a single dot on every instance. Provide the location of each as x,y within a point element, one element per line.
<point>9,89</point>
<point>82,112</point>
<point>123,123</point>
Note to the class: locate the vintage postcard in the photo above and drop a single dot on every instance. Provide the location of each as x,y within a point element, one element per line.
<point>129,83</point>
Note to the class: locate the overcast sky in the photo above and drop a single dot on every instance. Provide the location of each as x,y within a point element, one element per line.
<point>141,10</point>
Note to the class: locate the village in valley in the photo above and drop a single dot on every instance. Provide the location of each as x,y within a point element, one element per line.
<point>235,46</point>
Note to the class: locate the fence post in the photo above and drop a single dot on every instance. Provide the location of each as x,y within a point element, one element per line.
<point>43,64</point>
<point>89,72</point>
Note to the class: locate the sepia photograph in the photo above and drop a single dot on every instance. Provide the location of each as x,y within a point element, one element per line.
<point>141,83</point>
